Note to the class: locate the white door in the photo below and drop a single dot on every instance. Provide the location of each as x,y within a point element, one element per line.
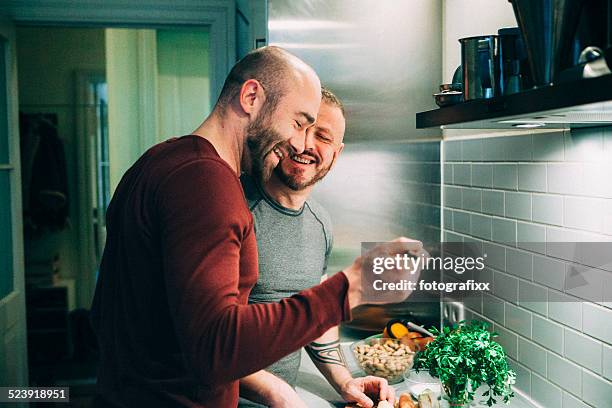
<point>13,356</point>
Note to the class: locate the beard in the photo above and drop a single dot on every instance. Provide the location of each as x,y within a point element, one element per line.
<point>293,182</point>
<point>260,139</point>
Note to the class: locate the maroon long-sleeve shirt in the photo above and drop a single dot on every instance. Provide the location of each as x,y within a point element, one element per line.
<point>170,308</point>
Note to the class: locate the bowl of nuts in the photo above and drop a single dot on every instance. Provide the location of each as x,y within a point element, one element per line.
<point>383,357</point>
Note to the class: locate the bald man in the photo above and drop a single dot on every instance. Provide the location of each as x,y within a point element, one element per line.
<point>170,308</point>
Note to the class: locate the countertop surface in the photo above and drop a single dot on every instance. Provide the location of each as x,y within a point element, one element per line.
<point>317,393</point>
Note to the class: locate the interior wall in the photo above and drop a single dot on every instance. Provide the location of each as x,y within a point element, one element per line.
<point>517,197</point>
<point>159,86</point>
<point>512,196</point>
<point>183,66</point>
<point>47,60</point>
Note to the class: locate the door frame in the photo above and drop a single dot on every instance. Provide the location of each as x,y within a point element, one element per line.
<point>13,347</point>
<point>219,16</point>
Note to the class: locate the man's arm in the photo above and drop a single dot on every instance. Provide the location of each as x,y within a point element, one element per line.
<point>326,354</point>
<point>267,389</point>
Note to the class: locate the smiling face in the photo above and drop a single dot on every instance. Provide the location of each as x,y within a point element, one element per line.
<point>285,127</point>
<point>323,145</point>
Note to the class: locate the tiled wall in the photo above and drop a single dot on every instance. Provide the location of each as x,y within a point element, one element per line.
<point>512,195</point>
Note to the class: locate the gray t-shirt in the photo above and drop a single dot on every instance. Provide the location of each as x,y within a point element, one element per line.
<point>293,248</point>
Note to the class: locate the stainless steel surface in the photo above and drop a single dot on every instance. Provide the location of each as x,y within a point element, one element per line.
<point>382,58</point>
<point>548,27</point>
<point>480,66</point>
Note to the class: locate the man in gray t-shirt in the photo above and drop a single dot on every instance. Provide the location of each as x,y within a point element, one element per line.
<point>294,240</point>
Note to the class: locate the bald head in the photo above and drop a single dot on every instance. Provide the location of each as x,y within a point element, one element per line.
<point>274,68</point>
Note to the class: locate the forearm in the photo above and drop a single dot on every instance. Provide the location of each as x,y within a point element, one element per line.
<point>263,387</point>
<point>326,354</point>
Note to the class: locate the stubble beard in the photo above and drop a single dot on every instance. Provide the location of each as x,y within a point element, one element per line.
<point>260,139</point>
<point>292,182</point>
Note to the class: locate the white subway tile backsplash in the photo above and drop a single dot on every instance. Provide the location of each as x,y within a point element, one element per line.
<point>495,255</point>
<point>532,177</point>
<point>564,178</point>
<point>596,179</point>
<point>508,340</point>
<point>548,147</point>
<point>493,202</point>
<point>482,175</point>
<point>461,222</point>
<point>547,209</point>
<point>583,213</point>
<point>519,263</point>
<point>504,231</point>
<point>607,362</point>
<point>518,320</point>
<point>595,390</point>
<point>583,350</point>
<point>472,199</point>
<point>569,401</point>
<point>597,322</point>
<point>523,376</point>
<point>544,392</point>
<point>518,205</point>
<point>452,151</point>
<point>531,237</point>
<point>472,150</point>
<point>493,149</point>
<point>565,374</point>
<point>533,297</point>
<point>452,196</point>
<point>549,272</point>
<point>493,308</point>
<point>584,145</point>
<point>448,173</point>
<point>532,356</point>
<point>505,286</point>
<point>505,176</point>
<point>515,150</point>
<point>462,174</point>
<point>529,198</point>
<point>481,226</point>
<point>565,309</point>
<point>547,334</point>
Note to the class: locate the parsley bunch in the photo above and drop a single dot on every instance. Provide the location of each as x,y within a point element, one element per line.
<point>465,357</point>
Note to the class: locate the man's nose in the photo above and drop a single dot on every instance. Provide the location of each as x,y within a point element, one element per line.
<point>309,142</point>
<point>298,143</point>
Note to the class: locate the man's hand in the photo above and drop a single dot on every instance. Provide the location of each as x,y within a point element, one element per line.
<point>357,390</point>
<point>401,245</point>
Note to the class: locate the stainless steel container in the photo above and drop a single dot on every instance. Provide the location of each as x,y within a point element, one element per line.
<point>480,65</point>
<point>548,27</point>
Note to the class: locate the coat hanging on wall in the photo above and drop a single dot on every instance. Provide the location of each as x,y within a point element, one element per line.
<point>45,186</point>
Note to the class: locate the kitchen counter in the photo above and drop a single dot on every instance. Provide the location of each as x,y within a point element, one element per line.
<point>317,393</point>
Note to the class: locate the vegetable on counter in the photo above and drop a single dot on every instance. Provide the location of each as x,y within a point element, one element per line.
<point>464,358</point>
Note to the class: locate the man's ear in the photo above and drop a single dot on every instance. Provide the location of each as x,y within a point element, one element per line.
<point>251,96</point>
<point>336,154</point>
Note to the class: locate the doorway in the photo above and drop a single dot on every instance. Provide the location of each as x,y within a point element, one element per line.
<point>91,101</point>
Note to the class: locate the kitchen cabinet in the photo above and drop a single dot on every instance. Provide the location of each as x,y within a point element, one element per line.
<point>581,103</point>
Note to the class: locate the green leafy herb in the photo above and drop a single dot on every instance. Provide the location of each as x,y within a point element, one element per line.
<point>464,358</point>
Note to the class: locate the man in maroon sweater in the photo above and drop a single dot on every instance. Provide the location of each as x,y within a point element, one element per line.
<point>170,308</point>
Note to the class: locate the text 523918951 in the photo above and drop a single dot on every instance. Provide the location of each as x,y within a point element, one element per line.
<point>34,394</point>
